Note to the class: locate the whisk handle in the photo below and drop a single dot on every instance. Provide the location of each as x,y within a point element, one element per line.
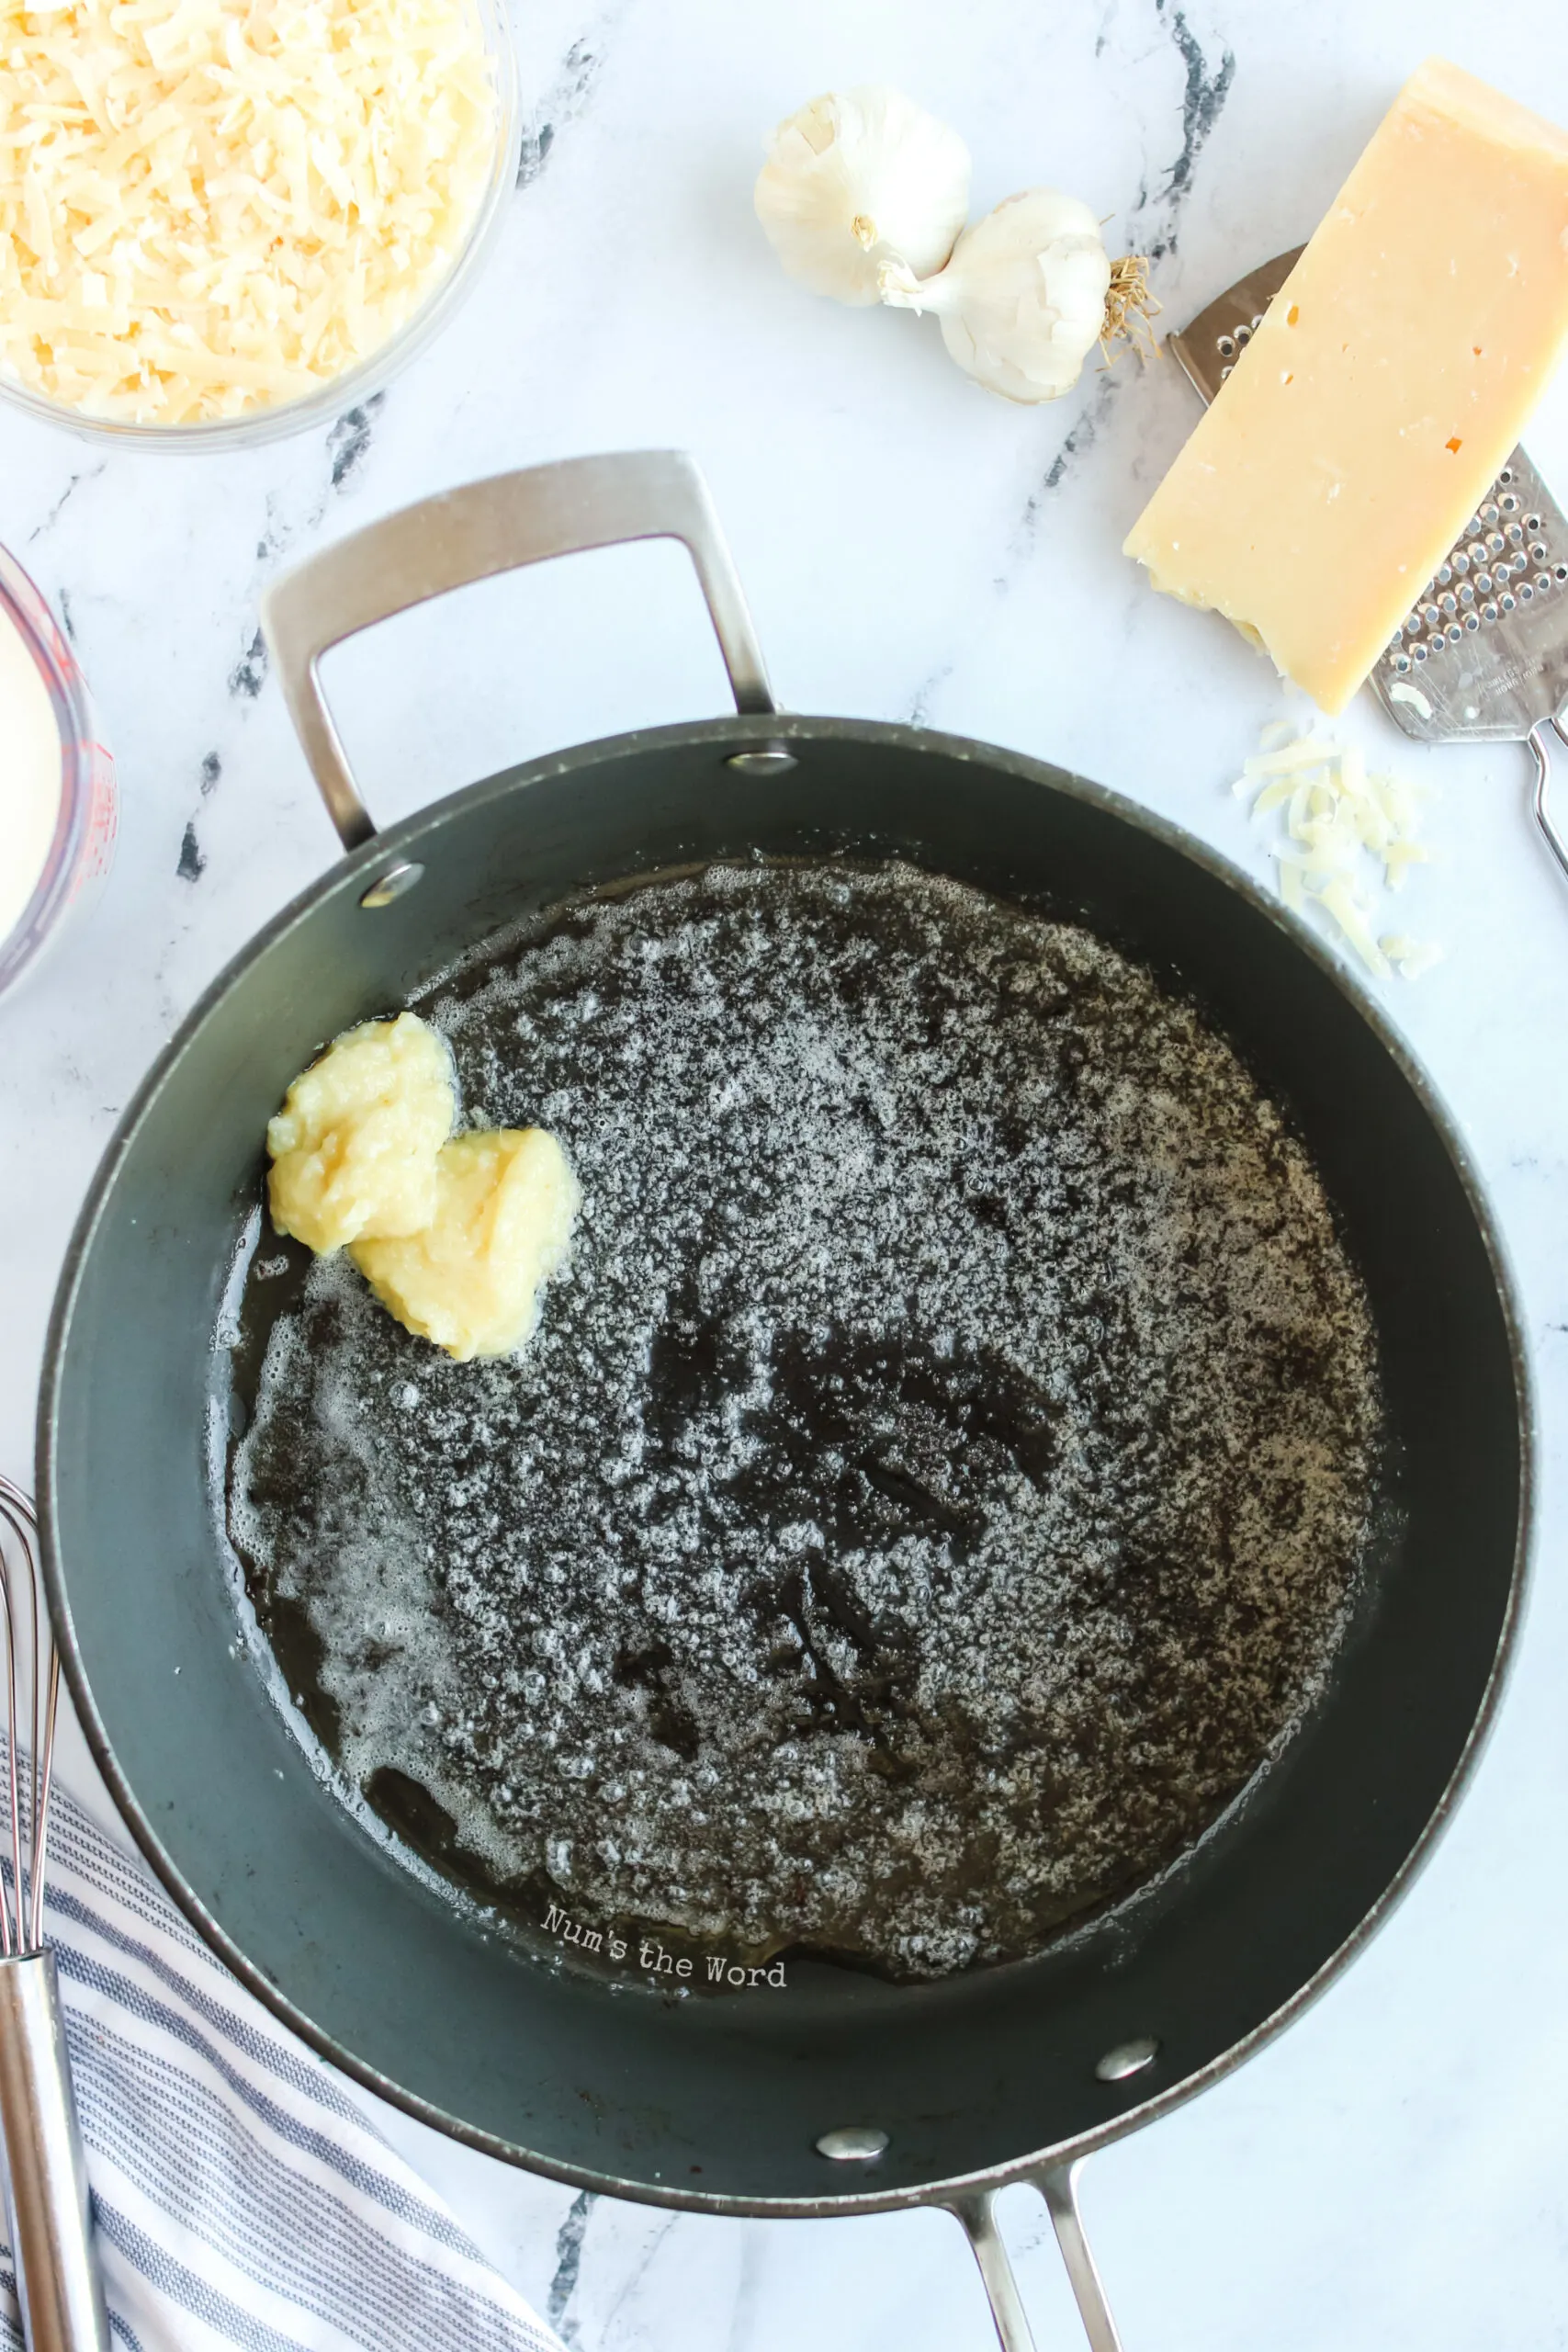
<point>58,2284</point>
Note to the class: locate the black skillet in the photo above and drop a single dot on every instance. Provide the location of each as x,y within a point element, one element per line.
<point>842,2092</point>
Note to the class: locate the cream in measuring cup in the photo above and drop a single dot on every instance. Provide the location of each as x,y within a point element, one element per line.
<point>57,784</point>
<point>31,771</point>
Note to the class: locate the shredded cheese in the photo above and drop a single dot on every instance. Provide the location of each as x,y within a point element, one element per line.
<point>209,206</point>
<point>1340,825</point>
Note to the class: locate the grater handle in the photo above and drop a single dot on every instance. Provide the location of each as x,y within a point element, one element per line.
<point>58,2285</point>
<point>1541,802</point>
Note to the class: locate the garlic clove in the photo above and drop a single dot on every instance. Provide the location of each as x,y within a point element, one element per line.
<point>1021,302</point>
<point>857,179</point>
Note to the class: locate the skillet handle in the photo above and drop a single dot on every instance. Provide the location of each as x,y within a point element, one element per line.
<point>1058,2186</point>
<point>473,533</point>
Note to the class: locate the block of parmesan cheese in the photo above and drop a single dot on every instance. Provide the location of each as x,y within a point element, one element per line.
<point>1386,386</point>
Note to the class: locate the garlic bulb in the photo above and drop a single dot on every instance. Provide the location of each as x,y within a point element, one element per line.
<point>1022,301</point>
<point>858,179</point>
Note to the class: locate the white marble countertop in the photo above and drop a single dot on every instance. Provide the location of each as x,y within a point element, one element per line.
<point>1393,2170</point>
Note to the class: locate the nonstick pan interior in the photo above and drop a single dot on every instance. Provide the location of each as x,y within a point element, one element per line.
<point>724,2101</point>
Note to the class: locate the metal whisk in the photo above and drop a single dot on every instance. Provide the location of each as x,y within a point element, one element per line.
<point>58,2285</point>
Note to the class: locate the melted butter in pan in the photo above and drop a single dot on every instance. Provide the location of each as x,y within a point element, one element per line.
<point>937,1485</point>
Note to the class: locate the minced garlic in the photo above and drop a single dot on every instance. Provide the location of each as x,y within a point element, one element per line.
<point>354,1146</point>
<point>211,205</point>
<point>457,1235</point>
<point>471,1278</point>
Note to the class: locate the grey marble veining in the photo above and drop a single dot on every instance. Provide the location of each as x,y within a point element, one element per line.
<point>1390,2172</point>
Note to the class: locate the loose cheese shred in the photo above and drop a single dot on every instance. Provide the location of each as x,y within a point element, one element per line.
<point>211,205</point>
<point>1339,821</point>
<point>1413,956</point>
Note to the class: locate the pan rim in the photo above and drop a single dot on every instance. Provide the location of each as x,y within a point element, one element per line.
<point>742,733</point>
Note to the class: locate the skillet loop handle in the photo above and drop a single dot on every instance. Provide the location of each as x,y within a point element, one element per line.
<point>1058,2186</point>
<point>474,533</point>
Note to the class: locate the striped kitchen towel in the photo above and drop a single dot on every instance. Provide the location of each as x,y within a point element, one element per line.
<point>241,2193</point>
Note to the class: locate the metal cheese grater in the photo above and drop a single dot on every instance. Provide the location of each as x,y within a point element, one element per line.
<point>1482,654</point>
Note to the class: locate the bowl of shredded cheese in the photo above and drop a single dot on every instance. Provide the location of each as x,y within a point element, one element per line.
<point>222,220</point>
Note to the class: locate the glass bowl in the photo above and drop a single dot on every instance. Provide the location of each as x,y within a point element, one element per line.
<point>83,847</point>
<point>355,385</point>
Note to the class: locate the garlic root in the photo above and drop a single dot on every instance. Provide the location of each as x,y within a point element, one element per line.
<point>1130,304</point>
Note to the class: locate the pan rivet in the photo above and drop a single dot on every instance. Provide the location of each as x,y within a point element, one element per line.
<point>1127,2058</point>
<point>853,2143</point>
<point>771,759</point>
<point>393,883</point>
